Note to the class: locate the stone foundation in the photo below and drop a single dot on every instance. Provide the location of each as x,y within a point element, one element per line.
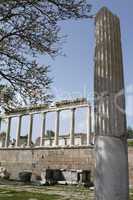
<point>36,160</point>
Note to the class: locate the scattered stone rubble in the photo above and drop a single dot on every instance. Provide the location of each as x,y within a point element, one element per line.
<point>62,176</point>
<point>4,173</point>
<point>53,176</point>
<point>25,176</point>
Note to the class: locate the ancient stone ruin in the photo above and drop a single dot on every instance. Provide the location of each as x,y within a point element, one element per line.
<point>43,140</point>
<point>110,118</point>
<point>50,159</point>
<point>71,159</point>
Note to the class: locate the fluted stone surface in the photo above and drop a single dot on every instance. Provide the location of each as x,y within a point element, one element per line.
<point>109,83</point>
<point>110,119</point>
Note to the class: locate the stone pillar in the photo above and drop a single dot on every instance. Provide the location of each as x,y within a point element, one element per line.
<point>72,128</point>
<point>43,129</point>
<point>110,122</point>
<point>88,125</point>
<point>0,123</point>
<point>18,131</point>
<point>57,128</point>
<point>8,132</point>
<point>30,131</point>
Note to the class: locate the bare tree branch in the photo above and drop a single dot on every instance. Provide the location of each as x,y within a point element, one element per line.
<point>29,28</point>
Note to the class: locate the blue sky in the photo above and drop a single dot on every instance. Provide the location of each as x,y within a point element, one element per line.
<point>73,74</point>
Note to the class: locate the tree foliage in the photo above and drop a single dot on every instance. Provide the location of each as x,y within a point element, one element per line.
<point>29,28</point>
<point>130,132</point>
<point>50,133</point>
<point>7,98</point>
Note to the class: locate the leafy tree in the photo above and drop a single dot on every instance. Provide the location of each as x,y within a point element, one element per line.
<point>7,98</point>
<point>50,133</point>
<point>29,28</point>
<point>130,132</point>
<point>2,135</point>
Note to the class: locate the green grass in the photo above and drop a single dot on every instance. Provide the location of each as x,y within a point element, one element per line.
<point>6,194</point>
<point>130,143</point>
<point>131,194</point>
<point>49,193</point>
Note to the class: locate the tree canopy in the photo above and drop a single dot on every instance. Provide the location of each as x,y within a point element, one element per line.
<point>29,28</point>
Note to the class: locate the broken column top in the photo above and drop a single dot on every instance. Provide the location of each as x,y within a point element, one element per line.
<point>104,11</point>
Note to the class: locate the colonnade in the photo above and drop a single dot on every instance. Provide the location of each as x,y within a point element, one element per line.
<point>43,126</point>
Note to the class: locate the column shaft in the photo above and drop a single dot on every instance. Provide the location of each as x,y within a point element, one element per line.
<point>18,131</point>
<point>111,153</point>
<point>72,128</point>
<point>30,131</point>
<point>8,132</point>
<point>42,141</point>
<point>57,128</point>
<point>89,125</point>
<point>0,123</point>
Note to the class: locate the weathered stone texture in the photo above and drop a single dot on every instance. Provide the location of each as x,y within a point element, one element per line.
<point>110,119</point>
<point>36,160</point>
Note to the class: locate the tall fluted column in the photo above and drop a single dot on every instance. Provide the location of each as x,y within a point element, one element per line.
<point>43,129</point>
<point>30,131</point>
<point>18,130</point>
<point>110,119</point>
<point>8,132</point>
<point>88,125</point>
<point>57,128</point>
<point>72,128</point>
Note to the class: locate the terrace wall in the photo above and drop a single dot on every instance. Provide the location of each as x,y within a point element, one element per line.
<point>37,159</point>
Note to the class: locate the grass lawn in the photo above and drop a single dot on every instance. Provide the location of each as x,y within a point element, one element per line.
<point>6,194</point>
<point>131,195</point>
<point>47,193</point>
<point>130,143</point>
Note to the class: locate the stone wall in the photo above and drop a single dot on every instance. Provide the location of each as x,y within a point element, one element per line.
<point>35,160</point>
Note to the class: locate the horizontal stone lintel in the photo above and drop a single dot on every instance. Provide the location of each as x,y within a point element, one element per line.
<point>49,148</point>
<point>52,109</point>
